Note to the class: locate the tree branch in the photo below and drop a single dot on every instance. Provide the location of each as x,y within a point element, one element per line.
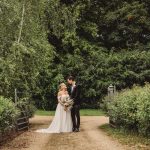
<point>21,23</point>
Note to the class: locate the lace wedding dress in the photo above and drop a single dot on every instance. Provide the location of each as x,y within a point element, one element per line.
<point>62,121</point>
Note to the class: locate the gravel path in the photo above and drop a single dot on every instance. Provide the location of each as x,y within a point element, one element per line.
<point>90,137</point>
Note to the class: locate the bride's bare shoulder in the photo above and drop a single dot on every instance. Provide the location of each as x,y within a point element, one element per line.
<point>59,93</point>
<point>66,92</point>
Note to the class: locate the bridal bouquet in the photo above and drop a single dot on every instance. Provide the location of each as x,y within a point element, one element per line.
<point>67,103</point>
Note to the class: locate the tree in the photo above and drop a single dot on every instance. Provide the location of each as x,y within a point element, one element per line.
<point>99,42</point>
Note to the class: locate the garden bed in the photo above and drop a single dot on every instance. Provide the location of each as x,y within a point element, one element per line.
<point>9,134</point>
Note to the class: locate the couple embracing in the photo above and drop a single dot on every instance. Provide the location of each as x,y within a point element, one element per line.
<point>67,115</point>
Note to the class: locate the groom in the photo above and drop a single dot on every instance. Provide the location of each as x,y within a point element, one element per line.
<point>74,93</point>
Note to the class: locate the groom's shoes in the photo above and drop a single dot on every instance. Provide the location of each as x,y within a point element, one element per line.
<point>74,130</point>
<point>77,130</point>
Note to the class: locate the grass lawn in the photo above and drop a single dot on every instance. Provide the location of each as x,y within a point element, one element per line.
<point>128,138</point>
<point>83,112</point>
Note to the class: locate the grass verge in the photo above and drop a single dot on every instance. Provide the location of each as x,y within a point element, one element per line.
<point>131,139</point>
<point>83,112</point>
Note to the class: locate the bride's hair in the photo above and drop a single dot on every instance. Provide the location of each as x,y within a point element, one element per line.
<point>60,86</point>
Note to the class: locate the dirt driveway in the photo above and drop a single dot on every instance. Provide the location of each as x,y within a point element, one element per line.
<point>90,137</point>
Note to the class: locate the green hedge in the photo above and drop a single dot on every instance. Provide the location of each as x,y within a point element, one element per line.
<point>8,114</point>
<point>131,109</point>
<point>26,106</point>
<point>9,111</point>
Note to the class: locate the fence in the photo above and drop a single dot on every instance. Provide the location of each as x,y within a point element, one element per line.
<point>23,119</point>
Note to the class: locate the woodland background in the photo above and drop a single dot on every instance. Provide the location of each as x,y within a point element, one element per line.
<point>100,42</point>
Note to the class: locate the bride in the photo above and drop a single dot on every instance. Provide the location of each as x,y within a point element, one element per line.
<point>62,121</point>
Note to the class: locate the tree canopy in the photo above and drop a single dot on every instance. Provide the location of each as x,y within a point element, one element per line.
<point>99,42</point>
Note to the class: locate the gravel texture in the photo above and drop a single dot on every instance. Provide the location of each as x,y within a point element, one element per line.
<point>89,137</point>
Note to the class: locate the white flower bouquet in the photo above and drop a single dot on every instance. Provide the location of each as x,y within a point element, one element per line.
<point>67,103</point>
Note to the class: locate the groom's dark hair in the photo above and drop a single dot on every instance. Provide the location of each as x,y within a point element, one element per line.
<point>71,78</point>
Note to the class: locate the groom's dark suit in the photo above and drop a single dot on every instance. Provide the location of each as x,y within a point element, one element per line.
<point>74,93</point>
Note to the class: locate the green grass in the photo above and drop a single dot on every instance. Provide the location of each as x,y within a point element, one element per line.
<point>131,139</point>
<point>44,113</point>
<point>83,112</point>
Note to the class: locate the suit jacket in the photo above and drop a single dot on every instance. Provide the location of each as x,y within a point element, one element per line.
<point>75,94</point>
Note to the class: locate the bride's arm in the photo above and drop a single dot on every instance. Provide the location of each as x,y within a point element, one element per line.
<point>59,98</point>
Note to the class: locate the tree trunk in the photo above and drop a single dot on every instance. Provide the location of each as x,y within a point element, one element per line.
<point>21,23</point>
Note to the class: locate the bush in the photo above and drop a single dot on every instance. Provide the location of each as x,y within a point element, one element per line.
<point>26,106</point>
<point>131,109</point>
<point>8,114</point>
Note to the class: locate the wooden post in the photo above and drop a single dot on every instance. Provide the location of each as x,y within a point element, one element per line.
<point>111,94</point>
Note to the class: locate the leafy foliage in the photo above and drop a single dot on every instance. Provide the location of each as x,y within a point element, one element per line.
<point>131,109</point>
<point>8,114</point>
<point>26,106</point>
<point>21,62</point>
<point>99,42</point>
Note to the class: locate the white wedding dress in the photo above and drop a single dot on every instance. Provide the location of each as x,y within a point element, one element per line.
<point>62,121</point>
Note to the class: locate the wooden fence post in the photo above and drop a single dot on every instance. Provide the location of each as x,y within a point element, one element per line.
<point>111,94</point>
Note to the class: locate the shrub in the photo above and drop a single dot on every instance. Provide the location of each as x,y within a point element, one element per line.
<point>131,109</point>
<point>143,107</point>
<point>8,114</point>
<point>26,106</point>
